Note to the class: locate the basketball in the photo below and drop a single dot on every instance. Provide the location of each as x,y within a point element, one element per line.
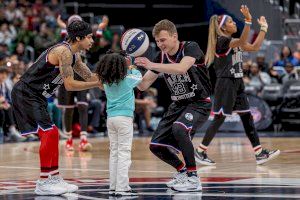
<point>135,42</point>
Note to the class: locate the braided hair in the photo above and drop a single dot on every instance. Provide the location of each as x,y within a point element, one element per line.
<point>112,67</point>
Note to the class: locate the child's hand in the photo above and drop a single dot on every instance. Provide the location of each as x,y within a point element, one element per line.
<point>131,67</point>
<point>143,62</point>
<point>245,11</point>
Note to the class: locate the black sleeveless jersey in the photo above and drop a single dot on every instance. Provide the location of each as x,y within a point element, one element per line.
<point>193,85</point>
<point>228,62</point>
<point>43,77</point>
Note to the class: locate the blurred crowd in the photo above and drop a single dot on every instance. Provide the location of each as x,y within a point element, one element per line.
<point>28,28</point>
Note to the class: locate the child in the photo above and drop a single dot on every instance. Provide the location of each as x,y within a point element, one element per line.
<point>119,80</point>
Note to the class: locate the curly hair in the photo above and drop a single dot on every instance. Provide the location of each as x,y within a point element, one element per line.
<point>112,67</point>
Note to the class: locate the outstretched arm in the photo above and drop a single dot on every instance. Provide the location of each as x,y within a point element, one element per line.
<point>147,80</point>
<point>260,38</point>
<point>174,68</point>
<point>65,59</point>
<point>82,70</point>
<point>244,36</point>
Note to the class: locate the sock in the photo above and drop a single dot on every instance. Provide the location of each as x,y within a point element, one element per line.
<point>69,134</point>
<point>202,148</point>
<point>83,135</point>
<point>49,140</point>
<point>257,149</point>
<point>181,168</point>
<point>192,173</point>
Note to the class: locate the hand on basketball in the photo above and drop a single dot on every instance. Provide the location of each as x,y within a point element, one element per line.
<point>245,11</point>
<point>262,21</point>
<point>143,62</point>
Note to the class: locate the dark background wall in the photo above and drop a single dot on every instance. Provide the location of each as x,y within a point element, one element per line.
<point>189,15</point>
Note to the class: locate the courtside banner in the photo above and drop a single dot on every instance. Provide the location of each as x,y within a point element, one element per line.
<point>260,111</point>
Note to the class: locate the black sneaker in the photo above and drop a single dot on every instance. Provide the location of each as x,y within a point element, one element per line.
<point>202,158</point>
<point>126,193</point>
<point>266,155</point>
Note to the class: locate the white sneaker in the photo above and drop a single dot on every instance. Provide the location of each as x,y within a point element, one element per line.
<point>178,177</point>
<point>60,181</point>
<point>49,187</point>
<point>191,184</point>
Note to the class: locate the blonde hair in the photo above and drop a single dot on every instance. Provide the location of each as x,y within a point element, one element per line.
<point>214,32</point>
<point>164,25</point>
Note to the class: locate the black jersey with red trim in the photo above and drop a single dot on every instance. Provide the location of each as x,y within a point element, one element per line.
<point>43,77</point>
<point>193,85</point>
<point>228,62</point>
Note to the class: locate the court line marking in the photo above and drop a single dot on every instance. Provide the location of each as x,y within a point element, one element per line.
<point>142,171</point>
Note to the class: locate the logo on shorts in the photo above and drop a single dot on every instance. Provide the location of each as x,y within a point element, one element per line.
<point>189,116</point>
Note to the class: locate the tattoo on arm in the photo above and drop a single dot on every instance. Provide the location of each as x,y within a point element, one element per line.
<point>65,61</point>
<point>82,70</point>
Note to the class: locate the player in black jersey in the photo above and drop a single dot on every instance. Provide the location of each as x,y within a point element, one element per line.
<point>225,53</point>
<point>66,101</point>
<point>182,65</point>
<point>54,67</point>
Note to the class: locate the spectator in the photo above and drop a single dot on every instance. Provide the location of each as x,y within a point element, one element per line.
<point>260,60</point>
<point>20,53</point>
<point>94,109</point>
<point>12,12</point>
<point>5,100</point>
<point>290,73</point>
<point>7,34</point>
<point>258,79</point>
<point>274,75</point>
<point>44,39</point>
<point>297,52</point>
<point>286,56</point>
<point>144,103</point>
<point>25,35</point>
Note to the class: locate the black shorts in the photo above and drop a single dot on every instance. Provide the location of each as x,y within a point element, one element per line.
<point>29,109</point>
<point>66,99</point>
<point>230,96</point>
<point>190,116</point>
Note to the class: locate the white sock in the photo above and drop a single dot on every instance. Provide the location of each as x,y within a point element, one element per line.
<point>83,135</point>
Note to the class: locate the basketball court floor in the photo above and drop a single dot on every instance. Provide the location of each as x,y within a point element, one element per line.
<point>236,176</point>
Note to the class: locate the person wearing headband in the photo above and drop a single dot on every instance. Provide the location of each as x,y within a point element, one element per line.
<point>54,67</point>
<point>224,54</point>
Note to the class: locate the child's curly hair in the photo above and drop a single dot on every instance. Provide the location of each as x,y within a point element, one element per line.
<point>112,67</point>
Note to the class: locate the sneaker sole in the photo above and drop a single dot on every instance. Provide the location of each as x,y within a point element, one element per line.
<point>271,157</point>
<point>126,194</point>
<point>41,193</point>
<point>74,190</point>
<point>187,190</point>
<point>198,161</point>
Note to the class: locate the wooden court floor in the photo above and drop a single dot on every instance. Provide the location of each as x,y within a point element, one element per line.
<point>19,165</point>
